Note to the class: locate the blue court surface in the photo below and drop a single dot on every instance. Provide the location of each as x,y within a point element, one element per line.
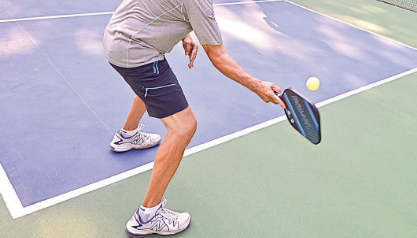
<point>61,102</point>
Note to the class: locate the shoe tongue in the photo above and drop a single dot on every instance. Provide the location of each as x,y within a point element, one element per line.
<point>159,209</point>
<point>128,134</point>
<point>123,132</point>
<point>146,214</point>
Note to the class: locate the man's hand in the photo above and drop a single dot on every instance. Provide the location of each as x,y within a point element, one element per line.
<point>190,49</point>
<point>267,90</point>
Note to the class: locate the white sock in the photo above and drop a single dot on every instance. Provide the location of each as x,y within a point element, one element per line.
<point>146,214</point>
<point>129,133</point>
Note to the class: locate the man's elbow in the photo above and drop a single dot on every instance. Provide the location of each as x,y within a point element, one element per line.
<point>214,52</point>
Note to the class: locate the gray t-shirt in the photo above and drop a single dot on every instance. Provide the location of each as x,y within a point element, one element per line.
<point>142,31</point>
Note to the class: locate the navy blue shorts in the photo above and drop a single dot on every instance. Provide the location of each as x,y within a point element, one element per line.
<point>157,86</point>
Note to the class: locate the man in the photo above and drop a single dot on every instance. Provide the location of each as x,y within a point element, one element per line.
<point>138,35</point>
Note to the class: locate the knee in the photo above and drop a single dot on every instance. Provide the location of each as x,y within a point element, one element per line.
<point>181,125</point>
<point>183,130</point>
<point>187,128</point>
<point>193,125</point>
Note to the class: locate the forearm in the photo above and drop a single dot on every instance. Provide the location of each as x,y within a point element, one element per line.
<point>228,66</point>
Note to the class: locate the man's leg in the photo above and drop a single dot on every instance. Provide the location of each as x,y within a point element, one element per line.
<point>153,217</point>
<point>135,114</point>
<point>130,137</point>
<point>180,129</point>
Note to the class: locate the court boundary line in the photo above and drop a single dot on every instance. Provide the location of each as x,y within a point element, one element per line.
<point>365,88</point>
<point>350,24</point>
<point>15,206</point>
<point>55,17</point>
<point>109,13</point>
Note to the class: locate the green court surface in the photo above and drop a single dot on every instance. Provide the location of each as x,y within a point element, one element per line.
<point>359,182</point>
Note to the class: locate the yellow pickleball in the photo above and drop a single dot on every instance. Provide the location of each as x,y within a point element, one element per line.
<point>313,83</point>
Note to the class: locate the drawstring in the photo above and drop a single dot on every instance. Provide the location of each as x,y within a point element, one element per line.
<point>155,67</point>
<point>169,85</point>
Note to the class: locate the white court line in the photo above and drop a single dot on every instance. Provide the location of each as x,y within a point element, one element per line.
<point>365,88</point>
<point>8,193</point>
<point>110,13</point>
<point>349,24</point>
<point>56,17</point>
<point>17,210</point>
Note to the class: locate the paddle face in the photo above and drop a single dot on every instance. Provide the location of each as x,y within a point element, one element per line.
<point>302,115</point>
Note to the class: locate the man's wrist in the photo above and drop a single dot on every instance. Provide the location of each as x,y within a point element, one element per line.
<point>255,84</point>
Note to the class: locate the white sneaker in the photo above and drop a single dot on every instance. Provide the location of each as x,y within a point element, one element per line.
<point>141,140</point>
<point>165,222</point>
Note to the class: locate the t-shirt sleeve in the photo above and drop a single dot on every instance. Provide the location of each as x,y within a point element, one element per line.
<point>200,14</point>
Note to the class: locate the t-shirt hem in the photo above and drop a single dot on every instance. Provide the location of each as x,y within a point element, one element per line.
<point>133,65</point>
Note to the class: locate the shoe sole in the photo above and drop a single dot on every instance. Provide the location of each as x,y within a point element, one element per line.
<point>119,150</point>
<point>131,148</point>
<point>131,235</point>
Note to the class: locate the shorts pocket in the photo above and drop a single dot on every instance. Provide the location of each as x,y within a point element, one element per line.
<point>153,88</point>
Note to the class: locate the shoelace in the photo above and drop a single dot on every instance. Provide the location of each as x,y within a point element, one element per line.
<point>172,217</point>
<point>141,126</point>
<point>142,134</point>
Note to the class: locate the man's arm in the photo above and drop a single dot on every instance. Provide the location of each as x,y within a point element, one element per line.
<point>227,66</point>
